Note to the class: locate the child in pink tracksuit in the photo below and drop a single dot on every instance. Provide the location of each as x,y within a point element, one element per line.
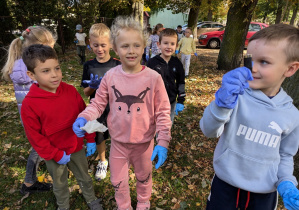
<point>139,107</point>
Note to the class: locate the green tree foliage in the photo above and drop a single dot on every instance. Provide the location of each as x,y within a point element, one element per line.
<point>276,11</point>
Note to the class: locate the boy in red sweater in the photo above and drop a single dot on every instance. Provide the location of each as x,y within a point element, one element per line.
<point>48,112</point>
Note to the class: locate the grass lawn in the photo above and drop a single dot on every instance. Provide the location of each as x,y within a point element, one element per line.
<point>183,182</point>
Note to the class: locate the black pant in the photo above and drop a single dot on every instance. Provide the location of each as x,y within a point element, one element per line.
<point>224,196</point>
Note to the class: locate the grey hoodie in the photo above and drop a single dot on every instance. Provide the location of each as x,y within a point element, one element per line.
<point>258,139</point>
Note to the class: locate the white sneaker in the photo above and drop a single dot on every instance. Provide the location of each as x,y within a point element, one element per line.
<point>101,170</point>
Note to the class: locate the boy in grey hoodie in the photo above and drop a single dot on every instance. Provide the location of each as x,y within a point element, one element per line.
<point>258,127</point>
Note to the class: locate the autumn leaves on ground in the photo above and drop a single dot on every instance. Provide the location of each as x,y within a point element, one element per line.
<point>182,183</point>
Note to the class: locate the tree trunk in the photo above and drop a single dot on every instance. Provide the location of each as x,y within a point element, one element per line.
<point>295,10</point>
<point>238,20</point>
<point>193,17</point>
<point>290,85</point>
<point>279,12</point>
<point>284,12</point>
<point>138,11</point>
<point>210,13</point>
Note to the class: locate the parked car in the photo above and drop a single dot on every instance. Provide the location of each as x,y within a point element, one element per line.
<point>207,27</point>
<point>213,39</point>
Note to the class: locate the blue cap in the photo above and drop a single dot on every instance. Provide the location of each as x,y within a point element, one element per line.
<point>78,27</point>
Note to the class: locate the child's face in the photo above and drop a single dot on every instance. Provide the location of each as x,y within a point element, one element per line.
<point>270,66</point>
<point>129,46</point>
<point>48,75</point>
<point>187,33</point>
<point>159,31</point>
<point>167,46</point>
<point>101,47</point>
<point>179,29</point>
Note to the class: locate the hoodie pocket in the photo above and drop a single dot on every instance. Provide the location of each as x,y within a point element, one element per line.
<point>50,130</point>
<point>246,172</point>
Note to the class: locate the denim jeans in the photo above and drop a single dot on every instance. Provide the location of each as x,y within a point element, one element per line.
<point>32,165</point>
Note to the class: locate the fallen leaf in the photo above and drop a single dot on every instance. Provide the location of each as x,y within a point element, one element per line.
<point>176,206</point>
<point>184,173</point>
<point>41,178</point>
<point>7,146</point>
<point>204,183</point>
<point>162,203</point>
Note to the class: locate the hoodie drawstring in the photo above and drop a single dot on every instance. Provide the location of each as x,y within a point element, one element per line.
<point>247,201</point>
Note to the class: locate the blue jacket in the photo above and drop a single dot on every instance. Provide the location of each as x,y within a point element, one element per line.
<point>21,81</point>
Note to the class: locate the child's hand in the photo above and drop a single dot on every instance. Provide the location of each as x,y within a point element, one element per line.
<point>178,108</point>
<point>233,83</point>
<point>65,159</point>
<point>91,148</point>
<point>80,122</point>
<point>162,155</point>
<point>289,194</point>
<point>94,82</point>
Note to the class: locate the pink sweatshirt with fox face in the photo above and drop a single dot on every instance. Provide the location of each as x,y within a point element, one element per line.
<point>139,106</point>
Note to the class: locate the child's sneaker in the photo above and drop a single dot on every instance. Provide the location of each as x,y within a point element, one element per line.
<point>95,205</point>
<point>101,170</point>
<point>36,187</point>
<point>143,206</point>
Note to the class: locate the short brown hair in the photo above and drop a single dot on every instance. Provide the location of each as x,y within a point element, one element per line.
<point>99,29</point>
<point>37,52</point>
<point>281,32</point>
<point>167,32</point>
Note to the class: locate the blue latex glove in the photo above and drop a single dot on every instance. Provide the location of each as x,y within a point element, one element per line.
<point>147,57</point>
<point>94,81</point>
<point>289,194</point>
<point>88,47</point>
<point>90,149</point>
<point>76,41</point>
<point>80,122</point>
<point>162,155</point>
<point>195,54</point>
<point>65,159</point>
<point>233,83</point>
<point>178,108</point>
<point>176,52</point>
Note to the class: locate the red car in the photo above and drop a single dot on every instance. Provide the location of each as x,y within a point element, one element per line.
<point>213,39</point>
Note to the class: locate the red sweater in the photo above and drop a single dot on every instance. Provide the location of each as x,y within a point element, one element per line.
<point>48,119</point>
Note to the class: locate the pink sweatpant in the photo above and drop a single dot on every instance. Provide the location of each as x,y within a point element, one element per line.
<point>122,155</point>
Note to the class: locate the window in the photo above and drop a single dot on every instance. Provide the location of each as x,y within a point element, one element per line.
<point>217,26</point>
<point>254,27</point>
<point>206,26</point>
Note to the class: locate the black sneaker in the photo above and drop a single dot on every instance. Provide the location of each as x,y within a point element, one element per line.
<point>95,205</point>
<point>36,187</point>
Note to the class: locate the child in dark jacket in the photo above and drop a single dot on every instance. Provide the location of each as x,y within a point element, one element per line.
<point>171,70</point>
<point>48,112</point>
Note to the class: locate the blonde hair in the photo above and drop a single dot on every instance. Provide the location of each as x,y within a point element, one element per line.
<point>281,32</point>
<point>127,23</point>
<point>32,35</point>
<point>99,29</point>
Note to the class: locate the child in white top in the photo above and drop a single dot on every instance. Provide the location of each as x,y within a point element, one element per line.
<point>80,42</point>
